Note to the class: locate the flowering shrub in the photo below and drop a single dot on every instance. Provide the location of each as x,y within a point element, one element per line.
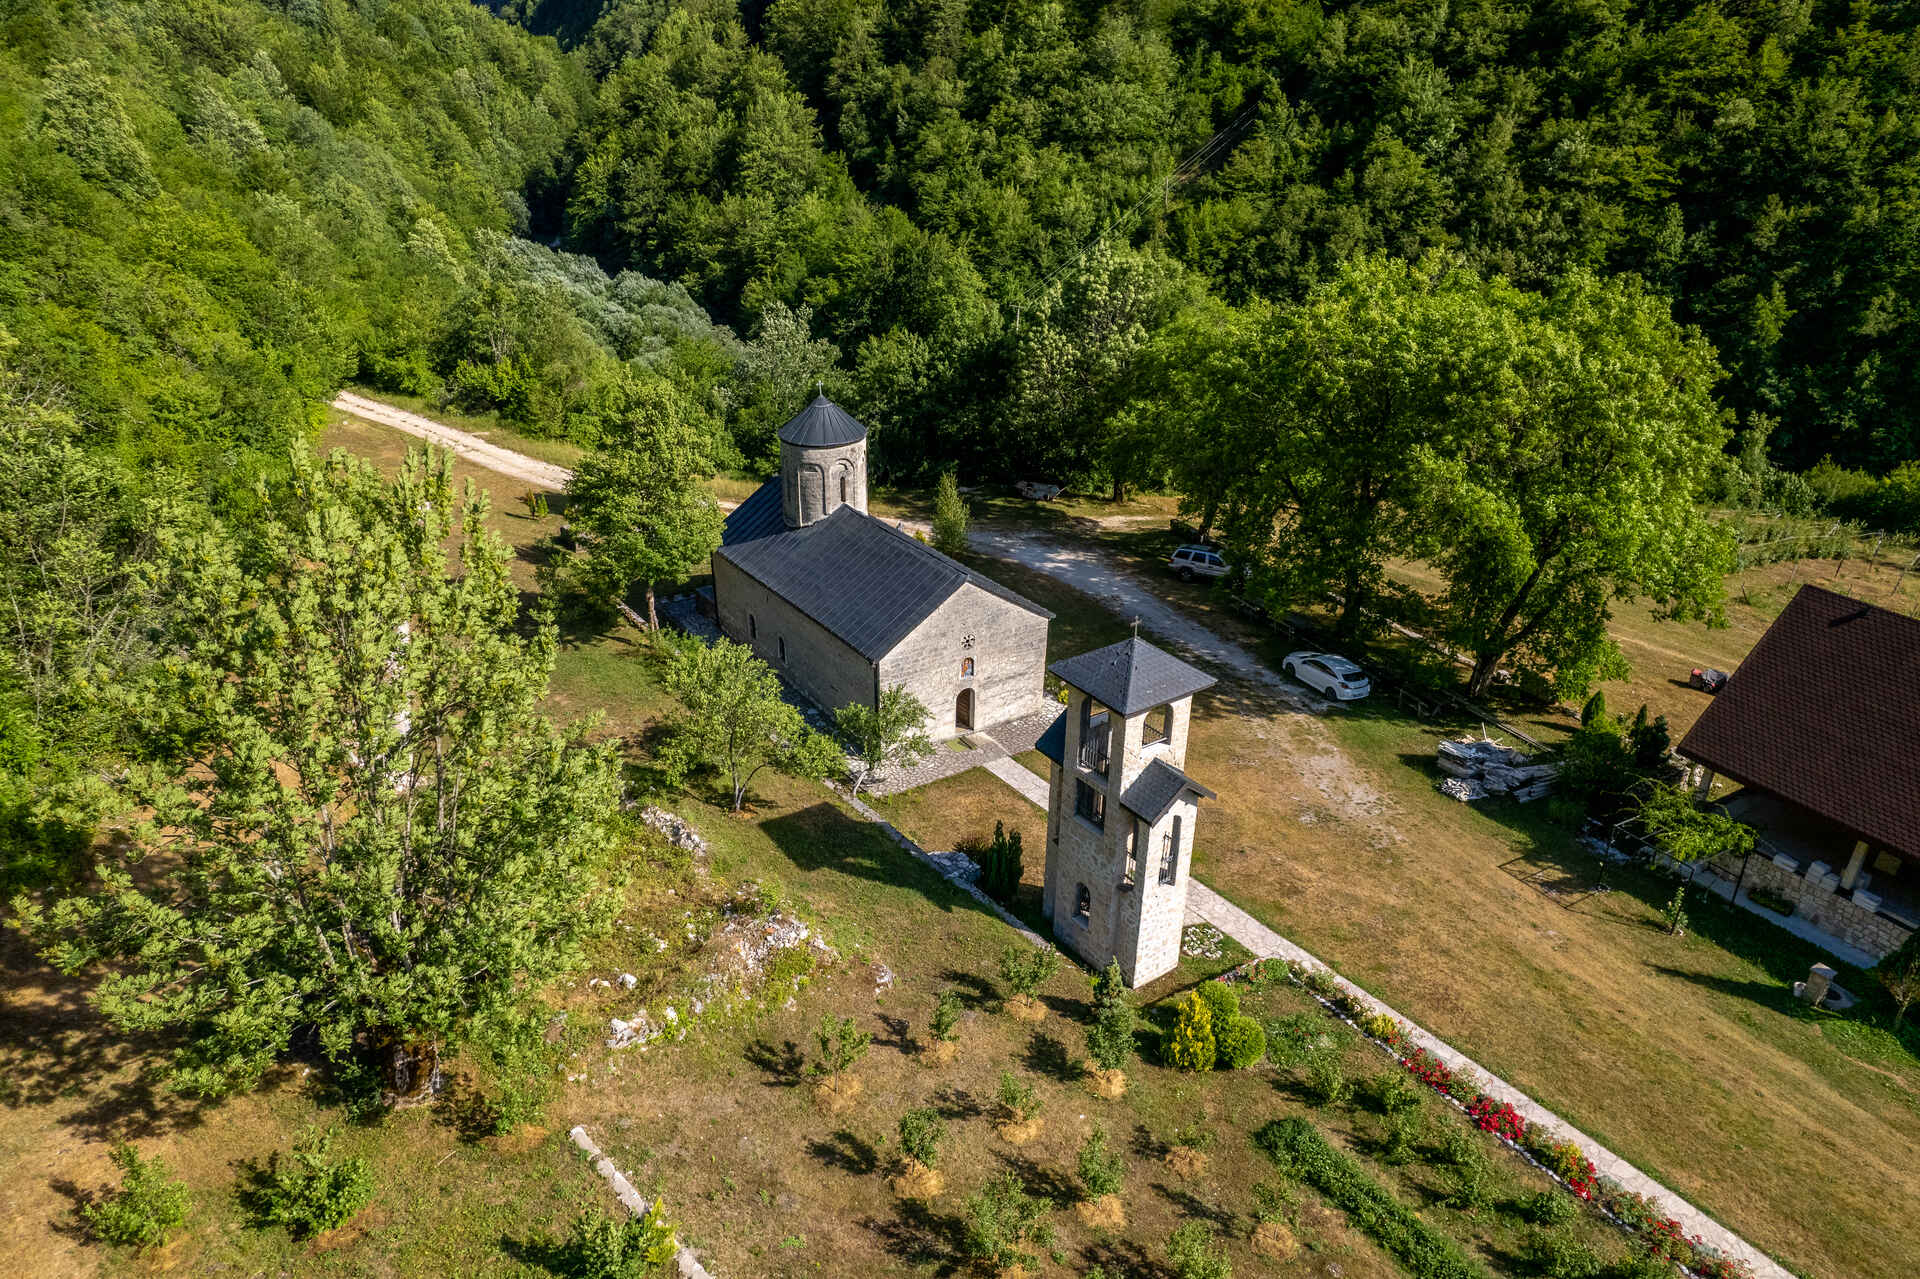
<point>1429,1070</point>
<point>1384,1028</point>
<point>1714,1266</point>
<point>1572,1166</point>
<point>1498,1118</point>
<point>1662,1234</point>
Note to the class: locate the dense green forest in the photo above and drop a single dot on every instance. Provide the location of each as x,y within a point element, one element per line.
<point>924,176</point>
<point>1006,232</point>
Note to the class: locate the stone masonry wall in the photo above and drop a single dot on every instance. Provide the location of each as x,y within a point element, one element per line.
<point>1009,655</point>
<point>1815,900</point>
<point>1140,926</point>
<point>810,481</point>
<point>829,672</point>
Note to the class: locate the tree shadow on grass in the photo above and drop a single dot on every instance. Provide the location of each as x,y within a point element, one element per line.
<point>783,1065</point>
<point>958,1104</point>
<point>1146,1144</point>
<point>71,1224</point>
<point>820,837</point>
<point>974,990</point>
<point>56,1045</point>
<point>929,1241</point>
<point>1039,1179</point>
<point>541,1252</point>
<point>1123,1257</point>
<point>846,1151</point>
<point>896,1036</point>
<point>1048,1056</point>
<point>1188,1204</point>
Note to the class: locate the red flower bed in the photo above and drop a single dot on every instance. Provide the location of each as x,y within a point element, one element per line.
<point>1498,1118</point>
<point>1428,1069</point>
<point>1721,1268</point>
<point>1572,1166</point>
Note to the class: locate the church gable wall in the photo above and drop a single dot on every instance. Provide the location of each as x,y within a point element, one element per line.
<point>1009,654</point>
<point>829,672</point>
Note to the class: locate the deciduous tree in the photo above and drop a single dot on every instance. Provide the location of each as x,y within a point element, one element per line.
<point>737,722</point>
<point>893,733</point>
<point>363,824</point>
<point>638,498</point>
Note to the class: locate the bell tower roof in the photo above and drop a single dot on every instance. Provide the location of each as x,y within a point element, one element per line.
<point>823,425</point>
<point>1131,676</point>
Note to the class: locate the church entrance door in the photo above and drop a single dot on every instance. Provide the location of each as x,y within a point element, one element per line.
<point>963,711</point>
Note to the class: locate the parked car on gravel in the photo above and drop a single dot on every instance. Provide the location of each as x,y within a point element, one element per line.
<point>1194,560</point>
<point>1329,673</point>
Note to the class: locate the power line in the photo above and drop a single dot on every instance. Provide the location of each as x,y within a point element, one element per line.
<point>1197,159</point>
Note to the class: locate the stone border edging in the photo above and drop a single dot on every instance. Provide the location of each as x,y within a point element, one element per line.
<point>933,863</point>
<point>1236,923</point>
<point>685,1262</point>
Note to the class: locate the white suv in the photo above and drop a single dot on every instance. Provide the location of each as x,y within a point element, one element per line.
<point>1330,673</point>
<point>1194,560</point>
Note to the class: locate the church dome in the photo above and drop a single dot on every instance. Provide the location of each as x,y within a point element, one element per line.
<point>823,425</point>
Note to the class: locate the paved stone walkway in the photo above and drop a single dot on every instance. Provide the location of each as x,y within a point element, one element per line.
<point>1206,906</point>
<point>1095,574</point>
<point>1021,778</point>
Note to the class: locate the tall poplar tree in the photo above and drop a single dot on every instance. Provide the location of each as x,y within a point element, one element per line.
<point>362,824</point>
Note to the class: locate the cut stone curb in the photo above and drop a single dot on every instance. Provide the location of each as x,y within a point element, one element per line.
<point>686,1265</point>
<point>1204,905</point>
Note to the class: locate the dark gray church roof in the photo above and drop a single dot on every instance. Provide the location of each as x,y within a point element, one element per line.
<point>1154,791</point>
<point>823,425</point>
<point>1131,676</point>
<point>865,581</point>
<point>758,516</point>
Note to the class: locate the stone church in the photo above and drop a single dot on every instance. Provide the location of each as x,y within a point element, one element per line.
<point>845,605</point>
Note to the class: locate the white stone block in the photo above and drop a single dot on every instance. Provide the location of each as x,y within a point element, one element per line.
<point>1785,862</point>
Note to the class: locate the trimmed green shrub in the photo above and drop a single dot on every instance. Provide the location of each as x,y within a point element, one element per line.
<point>1327,1084</point>
<point>1002,1218</point>
<point>1222,1000</point>
<point>1405,1127</point>
<point>1191,1045</point>
<point>1110,1036</point>
<point>1194,1252</point>
<point>1025,968</point>
<point>949,516</point>
<point>921,1132</point>
<point>1274,1202</point>
<point>1001,865</point>
<point>1239,1043</point>
<point>149,1206</point>
<point>1018,1096</point>
<point>309,1191</point>
<point>1389,1092</point>
<point>1547,1208</point>
<point>1302,1151</point>
<point>1102,1170</point>
<point>605,1247</point>
<point>1555,1254</point>
<point>944,1025</point>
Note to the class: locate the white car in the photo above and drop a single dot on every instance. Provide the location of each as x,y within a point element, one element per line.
<point>1330,674</point>
<point>1195,560</point>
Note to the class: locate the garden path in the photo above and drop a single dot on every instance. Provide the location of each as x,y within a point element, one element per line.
<point>1097,575</point>
<point>1204,905</point>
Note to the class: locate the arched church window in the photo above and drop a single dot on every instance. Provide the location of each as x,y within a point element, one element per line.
<point>753,628</point>
<point>783,648</point>
<point>843,488</point>
<point>1083,904</point>
<point>966,668</point>
<point>1170,853</point>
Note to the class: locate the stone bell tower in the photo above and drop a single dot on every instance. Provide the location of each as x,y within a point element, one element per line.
<point>1121,809</point>
<point>823,463</point>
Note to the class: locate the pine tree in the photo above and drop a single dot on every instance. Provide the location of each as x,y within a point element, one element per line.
<point>1110,1036</point>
